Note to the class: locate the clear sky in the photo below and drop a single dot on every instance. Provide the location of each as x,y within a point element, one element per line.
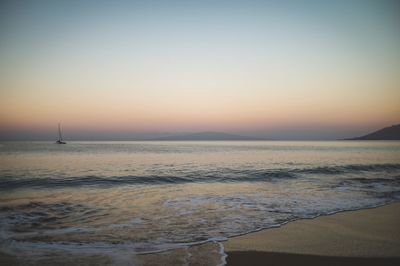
<point>131,69</point>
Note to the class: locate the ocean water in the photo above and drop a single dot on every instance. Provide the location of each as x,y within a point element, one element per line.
<point>144,203</point>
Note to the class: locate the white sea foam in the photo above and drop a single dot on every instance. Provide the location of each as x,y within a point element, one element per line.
<point>223,254</point>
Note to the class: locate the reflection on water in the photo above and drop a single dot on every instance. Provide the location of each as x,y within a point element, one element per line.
<point>123,199</point>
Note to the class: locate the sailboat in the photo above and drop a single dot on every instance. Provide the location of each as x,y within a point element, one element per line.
<point>60,140</point>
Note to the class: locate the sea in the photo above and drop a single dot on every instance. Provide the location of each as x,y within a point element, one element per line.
<point>165,202</point>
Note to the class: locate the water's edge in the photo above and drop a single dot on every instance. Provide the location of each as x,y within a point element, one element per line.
<point>220,241</point>
<point>225,255</point>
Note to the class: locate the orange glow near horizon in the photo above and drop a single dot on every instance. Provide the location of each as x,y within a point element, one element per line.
<point>183,114</point>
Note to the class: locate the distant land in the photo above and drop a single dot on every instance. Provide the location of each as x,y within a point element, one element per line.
<point>206,136</point>
<point>387,133</point>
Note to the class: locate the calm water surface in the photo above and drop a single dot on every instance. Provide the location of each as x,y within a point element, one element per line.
<point>129,198</point>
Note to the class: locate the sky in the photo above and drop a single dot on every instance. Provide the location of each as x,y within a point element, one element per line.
<point>138,69</point>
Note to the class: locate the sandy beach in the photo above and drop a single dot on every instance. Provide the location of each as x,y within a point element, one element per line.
<point>363,237</point>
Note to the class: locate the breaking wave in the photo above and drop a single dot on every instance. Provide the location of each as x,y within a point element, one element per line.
<point>209,176</point>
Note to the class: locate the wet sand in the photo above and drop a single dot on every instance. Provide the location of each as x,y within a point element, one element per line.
<point>256,258</point>
<point>363,237</point>
<point>207,254</point>
<point>65,260</point>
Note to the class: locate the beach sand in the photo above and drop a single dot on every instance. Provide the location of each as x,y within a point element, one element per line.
<point>363,237</point>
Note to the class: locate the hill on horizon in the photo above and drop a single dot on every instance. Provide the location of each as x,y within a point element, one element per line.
<point>387,133</point>
<point>206,136</point>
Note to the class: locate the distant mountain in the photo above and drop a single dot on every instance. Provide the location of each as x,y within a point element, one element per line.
<point>206,136</point>
<point>387,133</point>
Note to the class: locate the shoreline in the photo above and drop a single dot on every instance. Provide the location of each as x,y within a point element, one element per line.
<point>354,237</point>
<point>367,236</point>
<point>306,218</point>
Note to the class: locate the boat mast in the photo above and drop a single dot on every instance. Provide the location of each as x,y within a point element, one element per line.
<point>59,132</point>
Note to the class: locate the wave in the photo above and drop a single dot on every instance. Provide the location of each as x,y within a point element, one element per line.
<point>219,175</point>
<point>341,169</point>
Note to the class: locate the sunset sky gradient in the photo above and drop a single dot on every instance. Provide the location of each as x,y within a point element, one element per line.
<point>126,69</point>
